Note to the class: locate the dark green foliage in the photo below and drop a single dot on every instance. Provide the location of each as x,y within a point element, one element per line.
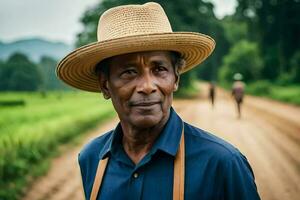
<point>234,30</point>
<point>243,58</point>
<point>295,67</point>
<point>12,103</point>
<point>19,74</point>
<point>47,66</point>
<point>274,24</point>
<point>260,88</point>
<point>289,93</point>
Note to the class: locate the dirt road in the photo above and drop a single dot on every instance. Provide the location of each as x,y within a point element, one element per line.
<point>268,134</point>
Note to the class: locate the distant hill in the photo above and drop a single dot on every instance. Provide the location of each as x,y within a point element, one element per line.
<point>35,48</point>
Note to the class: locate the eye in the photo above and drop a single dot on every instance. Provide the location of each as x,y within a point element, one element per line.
<point>160,68</point>
<point>128,73</point>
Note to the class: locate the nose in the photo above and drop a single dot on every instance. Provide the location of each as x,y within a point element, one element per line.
<point>146,84</point>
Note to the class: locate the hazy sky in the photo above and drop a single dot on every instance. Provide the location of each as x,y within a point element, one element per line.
<point>57,20</point>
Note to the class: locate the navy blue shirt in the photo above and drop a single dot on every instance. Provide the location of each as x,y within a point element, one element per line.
<point>214,169</point>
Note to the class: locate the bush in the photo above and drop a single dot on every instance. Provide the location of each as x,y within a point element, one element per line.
<point>243,58</point>
<point>285,79</point>
<point>295,65</point>
<point>12,103</point>
<point>260,88</point>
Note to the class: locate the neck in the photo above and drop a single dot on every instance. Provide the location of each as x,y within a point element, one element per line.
<point>138,142</point>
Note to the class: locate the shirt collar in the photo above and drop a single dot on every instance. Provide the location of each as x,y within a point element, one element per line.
<point>114,142</point>
<point>168,140</point>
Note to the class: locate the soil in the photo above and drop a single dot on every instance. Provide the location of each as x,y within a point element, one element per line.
<point>268,134</point>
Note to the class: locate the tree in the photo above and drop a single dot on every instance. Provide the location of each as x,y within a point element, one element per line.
<point>234,30</point>
<point>295,65</point>
<point>47,67</point>
<point>275,25</point>
<point>243,58</point>
<point>19,74</point>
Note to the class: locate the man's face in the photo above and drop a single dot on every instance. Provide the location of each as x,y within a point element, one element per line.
<point>141,87</point>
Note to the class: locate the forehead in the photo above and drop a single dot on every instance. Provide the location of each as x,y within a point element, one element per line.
<point>146,56</point>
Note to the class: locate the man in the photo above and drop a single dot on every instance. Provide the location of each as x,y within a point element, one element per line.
<point>238,88</point>
<point>212,92</point>
<point>152,153</point>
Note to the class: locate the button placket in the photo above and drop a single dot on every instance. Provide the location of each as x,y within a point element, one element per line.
<point>136,185</point>
<point>135,175</point>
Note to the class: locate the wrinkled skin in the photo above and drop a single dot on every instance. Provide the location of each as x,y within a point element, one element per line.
<point>141,87</point>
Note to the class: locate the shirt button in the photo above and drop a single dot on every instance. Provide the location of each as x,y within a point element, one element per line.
<point>135,175</point>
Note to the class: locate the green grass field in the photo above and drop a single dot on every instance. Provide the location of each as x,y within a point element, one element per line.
<point>31,133</point>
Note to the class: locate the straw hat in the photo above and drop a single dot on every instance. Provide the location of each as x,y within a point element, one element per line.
<point>128,29</point>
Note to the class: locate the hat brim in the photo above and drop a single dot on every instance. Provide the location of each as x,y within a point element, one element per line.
<point>78,68</point>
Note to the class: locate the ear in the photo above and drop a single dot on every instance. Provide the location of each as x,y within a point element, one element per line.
<point>103,84</point>
<point>178,67</point>
<point>176,84</point>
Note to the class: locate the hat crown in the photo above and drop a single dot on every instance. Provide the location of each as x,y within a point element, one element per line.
<point>130,20</point>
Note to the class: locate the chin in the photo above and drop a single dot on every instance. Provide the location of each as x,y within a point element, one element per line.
<point>146,121</point>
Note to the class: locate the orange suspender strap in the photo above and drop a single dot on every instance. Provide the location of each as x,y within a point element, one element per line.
<point>178,180</point>
<point>98,178</point>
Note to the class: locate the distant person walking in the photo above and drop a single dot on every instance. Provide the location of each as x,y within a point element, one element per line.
<point>238,91</point>
<point>212,93</point>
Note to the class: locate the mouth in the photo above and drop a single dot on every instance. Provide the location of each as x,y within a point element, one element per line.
<point>144,103</point>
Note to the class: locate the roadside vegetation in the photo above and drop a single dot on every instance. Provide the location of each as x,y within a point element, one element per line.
<point>35,125</point>
<point>289,94</point>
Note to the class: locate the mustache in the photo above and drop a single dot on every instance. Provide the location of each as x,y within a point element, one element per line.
<point>144,102</point>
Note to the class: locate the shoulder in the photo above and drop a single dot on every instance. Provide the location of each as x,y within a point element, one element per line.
<point>213,146</point>
<point>225,161</point>
<point>203,145</point>
<point>95,146</point>
<point>89,155</point>
<point>88,159</point>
